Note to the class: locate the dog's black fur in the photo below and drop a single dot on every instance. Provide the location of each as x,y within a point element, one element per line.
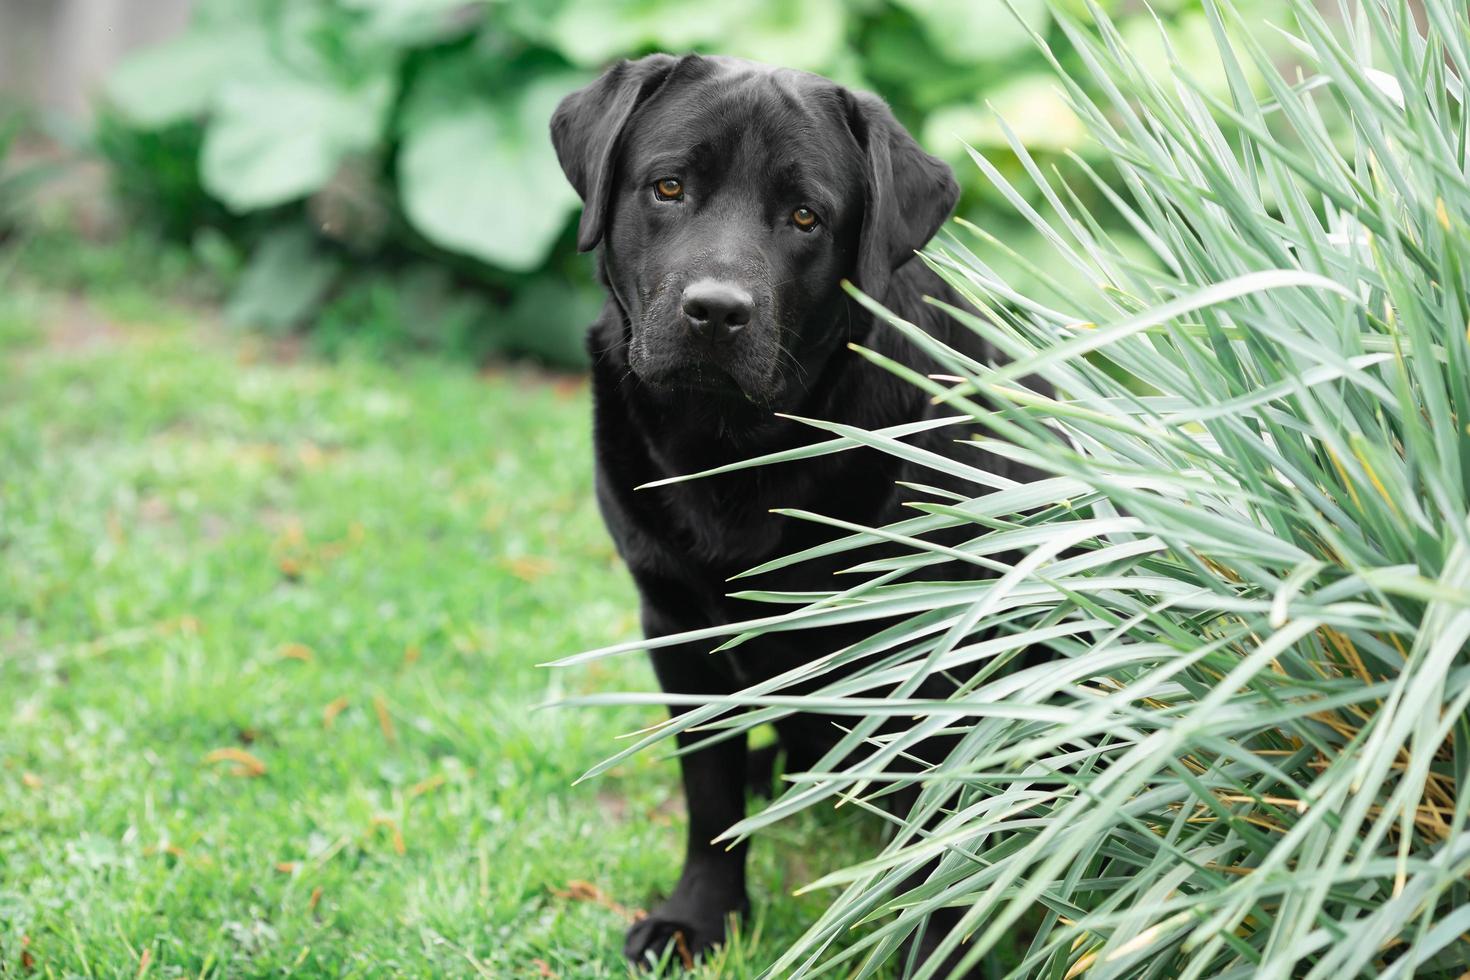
<point>679,387</point>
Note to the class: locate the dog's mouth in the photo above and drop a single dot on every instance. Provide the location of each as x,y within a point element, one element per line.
<point>668,356</point>
<point>698,378</point>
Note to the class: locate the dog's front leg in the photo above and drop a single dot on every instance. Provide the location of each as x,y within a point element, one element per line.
<point>712,885</point>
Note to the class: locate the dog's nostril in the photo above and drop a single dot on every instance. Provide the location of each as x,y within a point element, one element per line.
<point>717,309</point>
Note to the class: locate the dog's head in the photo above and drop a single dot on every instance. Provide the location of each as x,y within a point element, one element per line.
<point>732,199</point>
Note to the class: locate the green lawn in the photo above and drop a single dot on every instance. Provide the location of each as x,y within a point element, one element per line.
<point>268,635</point>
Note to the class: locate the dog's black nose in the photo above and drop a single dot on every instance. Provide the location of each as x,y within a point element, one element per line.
<point>717,310</point>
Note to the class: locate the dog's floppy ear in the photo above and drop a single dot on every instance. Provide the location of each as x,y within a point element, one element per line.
<point>585,130</point>
<point>910,193</point>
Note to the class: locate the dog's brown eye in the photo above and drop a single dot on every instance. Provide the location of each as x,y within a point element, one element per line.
<point>669,189</point>
<point>805,218</point>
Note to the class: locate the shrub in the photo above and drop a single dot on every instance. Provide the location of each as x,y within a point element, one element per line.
<point>1250,562</point>
<point>396,131</point>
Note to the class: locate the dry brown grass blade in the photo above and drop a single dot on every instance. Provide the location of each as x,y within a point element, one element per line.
<point>1082,965</point>
<point>578,890</point>
<point>682,945</point>
<point>399,846</point>
<point>529,568</point>
<point>385,720</point>
<point>332,710</point>
<point>426,786</point>
<point>245,763</point>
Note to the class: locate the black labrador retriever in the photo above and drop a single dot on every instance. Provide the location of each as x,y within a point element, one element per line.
<point>730,200</point>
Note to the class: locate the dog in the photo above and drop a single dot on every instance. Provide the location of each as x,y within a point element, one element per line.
<point>727,201</point>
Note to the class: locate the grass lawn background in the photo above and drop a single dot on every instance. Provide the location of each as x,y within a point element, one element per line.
<point>268,628</point>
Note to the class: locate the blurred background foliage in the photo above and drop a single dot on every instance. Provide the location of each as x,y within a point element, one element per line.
<point>380,169</point>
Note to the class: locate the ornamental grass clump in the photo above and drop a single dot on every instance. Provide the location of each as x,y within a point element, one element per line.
<point>1248,566</point>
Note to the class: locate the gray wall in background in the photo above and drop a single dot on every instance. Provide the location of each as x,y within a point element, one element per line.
<point>54,54</point>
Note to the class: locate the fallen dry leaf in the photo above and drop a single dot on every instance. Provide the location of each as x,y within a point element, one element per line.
<point>543,969</point>
<point>246,764</point>
<point>185,624</point>
<point>145,961</point>
<point>410,655</point>
<point>293,534</point>
<point>529,568</point>
<point>31,781</point>
<point>287,867</point>
<point>310,455</point>
<point>316,897</point>
<point>296,651</point>
<point>568,385</point>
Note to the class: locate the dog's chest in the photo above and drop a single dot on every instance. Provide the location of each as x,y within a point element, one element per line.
<point>724,525</point>
<point>697,534</point>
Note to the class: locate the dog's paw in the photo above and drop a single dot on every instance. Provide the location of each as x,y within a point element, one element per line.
<point>664,937</point>
<point>654,941</point>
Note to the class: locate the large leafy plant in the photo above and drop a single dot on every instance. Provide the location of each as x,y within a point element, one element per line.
<point>1250,561</point>
<point>317,130</point>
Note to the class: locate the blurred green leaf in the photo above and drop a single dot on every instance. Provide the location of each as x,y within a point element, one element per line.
<point>1193,44</point>
<point>410,22</point>
<point>285,282</point>
<point>1032,105</point>
<point>549,319</point>
<point>979,30</point>
<point>592,32</point>
<point>483,179</point>
<point>806,35</point>
<point>419,308</point>
<point>281,135</point>
<point>179,79</point>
